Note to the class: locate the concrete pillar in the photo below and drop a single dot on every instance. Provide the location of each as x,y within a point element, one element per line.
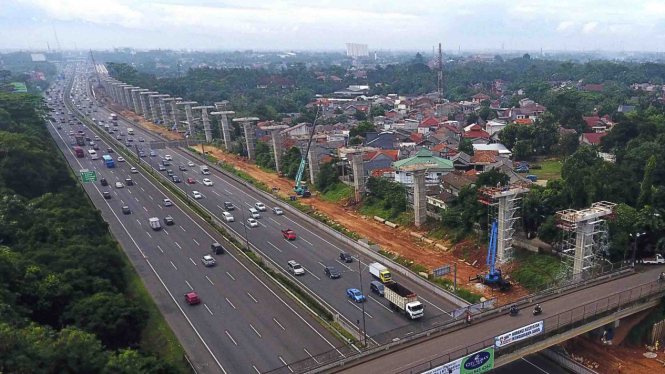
<point>313,160</point>
<point>583,248</point>
<point>153,107</point>
<point>128,98</point>
<point>419,197</point>
<point>248,127</point>
<point>190,119</point>
<point>206,125</point>
<point>165,114</point>
<point>277,147</point>
<point>144,104</point>
<point>135,99</point>
<point>358,175</point>
<point>225,130</point>
<point>174,113</point>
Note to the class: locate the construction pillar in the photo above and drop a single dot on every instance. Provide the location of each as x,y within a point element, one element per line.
<point>583,248</point>
<point>277,147</point>
<point>248,127</point>
<point>165,114</point>
<point>190,119</point>
<point>358,175</point>
<point>419,197</point>
<point>135,100</point>
<point>225,129</point>
<point>128,98</point>
<point>174,113</point>
<point>153,107</point>
<point>313,160</point>
<point>144,103</point>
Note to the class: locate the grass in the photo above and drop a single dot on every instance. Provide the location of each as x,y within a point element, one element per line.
<point>550,170</point>
<point>373,207</point>
<point>535,270</point>
<point>337,192</point>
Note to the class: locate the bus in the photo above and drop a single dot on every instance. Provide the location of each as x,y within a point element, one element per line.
<point>79,152</point>
<point>93,154</point>
<point>109,161</point>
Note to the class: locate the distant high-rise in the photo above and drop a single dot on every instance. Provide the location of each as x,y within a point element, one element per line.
<point>357,50</point>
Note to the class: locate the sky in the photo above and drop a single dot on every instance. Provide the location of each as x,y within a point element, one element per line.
<point>283,25</point>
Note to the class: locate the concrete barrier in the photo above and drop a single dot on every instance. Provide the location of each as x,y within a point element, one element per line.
<point>393,225</point>
<point>442,247</point>
<point>416,235</point>
<point>427,240</point>
<point>377,218</point>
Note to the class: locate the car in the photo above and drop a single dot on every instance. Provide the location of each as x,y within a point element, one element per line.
<point>129,182</point>
<point>109,150</point>
<point>228,206</point>
<point>103,182</point>
<point>377,287</point>
<point>191,180</point>
<point>207,260</point>
<point>169,172</point>
<point>197,195</point>
<point>133,170</point>
<point>252,222</point>
<point>59,127</point>
<point>130,139</point>
<point>260,206</point>
<point>168,202</point>
<point>168,221</point>
<point>97,138</point>
<point>73,142</point>
<point>277,210</point>
<point>355,295</point>
<point>122,133</point>
<point>153,154</point>
<point>141,139</point>
<point>217,248</point>
<point>345,257</point>
<point>190,164</point>
<point>166,163</point>
<point>128,144</point>
<point>118,138</point>
<point>71,133</point>
<point>295,268</point>
<point>289,234</point>
<point>228,217</point>
<point>95,147</point>
<point>182,168</point>
<point>126,210</point>
<point>107,195</point>
<point>87,139</point>
<point>168,158</point>
<point>92,144</point>
<point>175,179</point>
<point>162,168</point>
<point>121,159</point>
<point>207,182</point>
<point>331,272</point>
<point>141,154</point>
<point>119,185</point>
<point>192,298</point>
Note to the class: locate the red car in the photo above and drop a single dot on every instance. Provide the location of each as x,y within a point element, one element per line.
<point>289,234</point>
<point>191,180</point>
<point>192,298</point>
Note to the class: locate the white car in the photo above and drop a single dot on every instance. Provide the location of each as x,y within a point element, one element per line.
<point>120,159</point>
<point>168,202</point>
<point>260,206</point>
<point>197,195</point>
<point>207,182</point>
<point>133,170</point>
<point>168,158</point>
<point>277,210</point>
<point>190,164</point>
<point>119,185</point>
<point>252,222</point>
<point>97,138</point>
<point>208,260</point>
<point>228,217</point>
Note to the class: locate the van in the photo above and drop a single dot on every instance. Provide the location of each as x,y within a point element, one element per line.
<point>217,248</point>
<point>130,131</point>
<point>254,213</point>
<point>154,223</point>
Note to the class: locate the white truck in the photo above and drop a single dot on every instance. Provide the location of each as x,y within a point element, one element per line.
<point>381,272</point>
<point>405,301</point>
<point>114,117</point>
<point>204,170</point>
<point>656,260</point>
<point>130,131</point>
<point>154,223</point>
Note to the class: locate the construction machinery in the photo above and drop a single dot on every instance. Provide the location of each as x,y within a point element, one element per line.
<point>300,189</point>
<point>494,277</point>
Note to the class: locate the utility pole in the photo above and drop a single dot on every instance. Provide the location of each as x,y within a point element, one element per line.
<point>360,274</point>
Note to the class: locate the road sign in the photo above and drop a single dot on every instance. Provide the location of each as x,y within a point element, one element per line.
<point>88,176</point>
<point>441,271</point>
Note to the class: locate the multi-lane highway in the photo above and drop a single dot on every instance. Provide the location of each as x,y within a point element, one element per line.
<point>244,323</point>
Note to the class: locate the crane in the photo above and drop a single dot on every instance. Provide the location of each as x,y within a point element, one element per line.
<point>94,66</point>
<point>493,277</point>
<point>300,189</point>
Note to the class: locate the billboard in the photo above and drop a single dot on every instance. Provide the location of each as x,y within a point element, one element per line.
<point>518,334</point>
<point>475,363</point>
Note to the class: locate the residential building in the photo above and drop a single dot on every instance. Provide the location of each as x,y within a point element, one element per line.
<point>495,126</point>
<point>437,167</point>
<point>592,138</point>
<point>453,183</point>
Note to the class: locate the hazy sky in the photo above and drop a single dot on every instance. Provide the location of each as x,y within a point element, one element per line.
<point>327,25</point>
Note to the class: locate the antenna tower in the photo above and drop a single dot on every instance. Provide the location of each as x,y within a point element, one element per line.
<point>440,75</point>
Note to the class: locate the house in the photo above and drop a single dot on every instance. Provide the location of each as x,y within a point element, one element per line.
<point>526,102</point>
<point>444,150</point>
<point>503,151</point>
<point>429,124</point>
<point>592,138</point>
<point>386,173</point>
<point>379,159</point>
<point>453,183</point>
<point>335,78</point>
<point>483,160</point>
<point>281,82</point>
<point>461,161</point>
<point>351,91</point>
<point>469,106</point>
<point>626,108</point>
<point>442,200</point>
<point>494,126</point>
<point>480,97</point>
<point>437,167</point>
<point>523,121</point>
<point>598,124</point>
<point>594,87</point>
<point>381,140</point>
<point>476,133</point>
<point>446,109</point>
<point>297,130</point>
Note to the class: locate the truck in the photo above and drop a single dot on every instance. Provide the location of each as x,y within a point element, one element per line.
<point>204,170</point>
<point>380,272</point>
<point>405,301</point>
<point>130,131</point>
<point>154,223</point>
<point>79,140</point>
<point>656,260</point>
<point>114,117</point>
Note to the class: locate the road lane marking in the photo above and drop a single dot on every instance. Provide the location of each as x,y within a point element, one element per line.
<point>229,274</point>
<point>260,223</point>
<point>228,192</point>
<point>209,311</point>
<point>149,234</point>
<point>274,221</point>
<point>160,248</point>
<point>310,355</point>
<point>167,233</point>
<point>215,192</point>
<point>173,265</point>
<point>138,222</point>
<point>359,308</point>
<point>322,264</point>
<point>160,207</point>
<point>190,286</point>
<point>288,241</point>
<point>229,301</point>
<point>137,200</point>
<point>142,189</point>
<point>190,259</point>
<point>430,303</point>
<point>306,241</point>
<point>310,273</point>
<point>209,280</point>
<point>377,301</point>
<point>274,246</point>
<point>343,264</point>
<point>257,370</point>
<point>182,228</point>
<point>197,243</point>
<point>229,335</point>
<point>250,295</point>
<point>145,209</point>
<point>176,243</point>
<point>534,365</point>
<point>278,324</point>
<point>257,333</point>
<point>284,362</point>
<point>150,197</point>
<point>129,192</point>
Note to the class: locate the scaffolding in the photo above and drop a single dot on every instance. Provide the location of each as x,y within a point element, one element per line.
<point>585,239</point>
<point>503,203</point>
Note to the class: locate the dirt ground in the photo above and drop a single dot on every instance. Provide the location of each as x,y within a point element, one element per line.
<point>606,358</point>
<point>173,135</point>
<point>393,240</point>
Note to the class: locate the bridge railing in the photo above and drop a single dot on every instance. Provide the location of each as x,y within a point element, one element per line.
<point>556,324</point>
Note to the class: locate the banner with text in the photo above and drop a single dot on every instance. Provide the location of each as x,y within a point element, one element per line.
<point>519,334</point>
<point>475,363</point>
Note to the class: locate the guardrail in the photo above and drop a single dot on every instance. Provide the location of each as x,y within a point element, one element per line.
<point>566,361</point>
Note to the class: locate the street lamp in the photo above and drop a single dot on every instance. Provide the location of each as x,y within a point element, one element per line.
<point>636,236</point>
<point>360,274</point>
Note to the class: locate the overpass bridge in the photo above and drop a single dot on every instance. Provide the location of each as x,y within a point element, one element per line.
<point>564,317</point>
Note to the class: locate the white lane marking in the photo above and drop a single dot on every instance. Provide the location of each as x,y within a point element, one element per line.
<point>250,295</point>
<point>228,301</point>
<point>274,246</point>
<point>288,241</point>
<point>229,335</point>
<point>310,273</point>
<point>306,241</point>
<point>221,208</point>
<point>182,228</point>
<point>122,202</point>
<point>173,265</point>
<point>430,303</point>
<point>190,259</point>
<point>130,192</point>
<point>149,234</point>
<point>160,248</point>
<point>190,286</point>
<point>197,243</point>
<point>534,365</point>
<point>310,355</point>
<point>167,233</point>
<point>229,274</point>
<point>322,264</point>
<point>142,189</point>
<point>209,311</point>
<point>215,192</point>
<point>138,222</point>
<point>278,324</point>
<point>359,308</point>
<point>257,370</point>
<point>176,243</point>
<point>209,280</point>
<point>160,207</point>
<point>228,192</point>
<point>145,209</point>
<point>284,362</point>
<point>274,221</point>
<point>343,264</point>
<point>248,204</point>
<point>150,197</point>
<point>257,333</point>
<point>137,200</point>
<point>377,301</point>
<point>260,223</point>
<point>115,193</point>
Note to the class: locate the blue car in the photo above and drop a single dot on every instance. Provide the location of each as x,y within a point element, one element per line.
<point>152,154</point>
<point>356,295</point>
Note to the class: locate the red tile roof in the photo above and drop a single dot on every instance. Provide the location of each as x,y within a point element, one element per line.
<point>429,122</point>
<point>368,155</point>
<point>523,121</point>
<point>416,137</point>
<point>591,121</point>
<point>326,158</point>
<point>392,153</point>
<point>288,143</point>
<point>484,157</point>
<point>379,172</point>
<point>594,87</point>
<point>593,138</point>
<point>265,139</point>
<point>453,129</point>
<point>474,134</point>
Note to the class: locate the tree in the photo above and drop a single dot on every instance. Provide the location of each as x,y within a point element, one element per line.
<point>466,146</point>
<point>338,111</point>
<point>523,150</point>
<point>355,141</point>
<point>327,177</point>
<point>360,115</point>
<point>361,129</point>
<point>377,110</point>
<point>472,118</point>
<point>646,190</point>
<point>526,56</point>
<point>492,178</point>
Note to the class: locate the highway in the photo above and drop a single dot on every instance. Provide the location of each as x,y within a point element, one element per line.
<point>244,323</point>
<point>313,249</point>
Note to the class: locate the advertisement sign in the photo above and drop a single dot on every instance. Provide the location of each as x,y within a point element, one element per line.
<point>475,363</point>
<point>519,334</point>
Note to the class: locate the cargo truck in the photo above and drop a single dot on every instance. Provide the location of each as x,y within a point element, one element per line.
<point>204,170</point>
<point>405,301</point>
<point>381,272</point>
<point>114,117</point>
<point>656,260</point>
<point>130,131</point>
<point>79,140</point>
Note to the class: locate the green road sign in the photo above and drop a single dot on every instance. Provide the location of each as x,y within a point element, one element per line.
<point>88,176</point>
